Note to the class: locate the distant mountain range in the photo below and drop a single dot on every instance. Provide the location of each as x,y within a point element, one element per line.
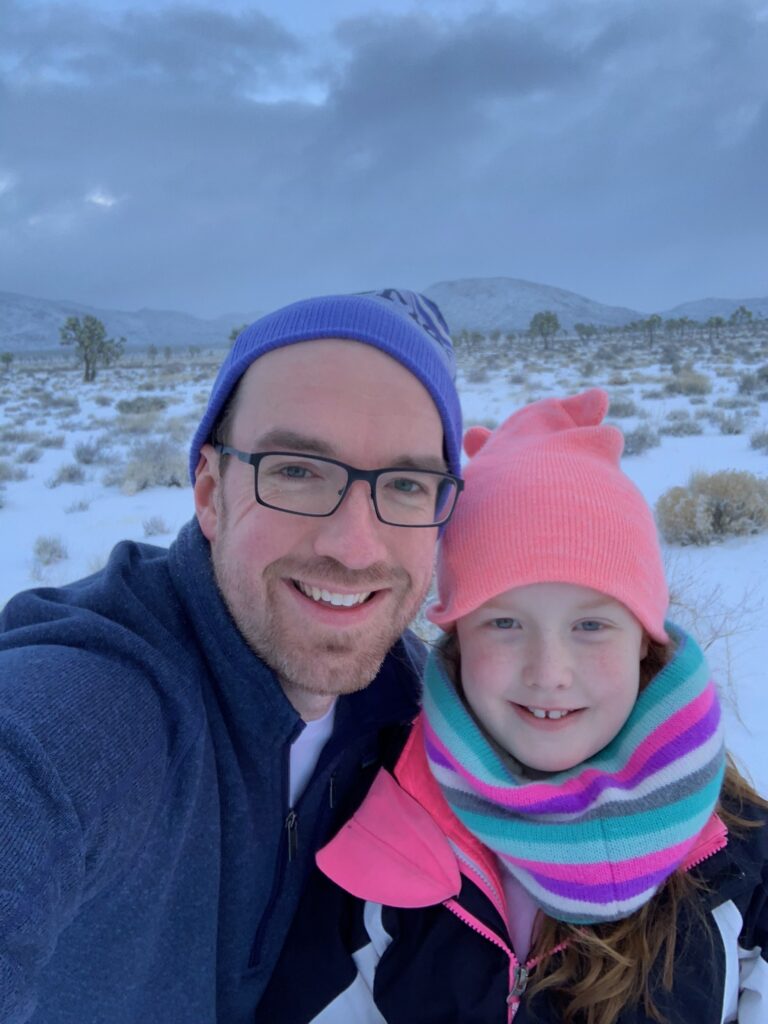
<point>507,304</point>
<point>478,304</point>
<point>28,324</point>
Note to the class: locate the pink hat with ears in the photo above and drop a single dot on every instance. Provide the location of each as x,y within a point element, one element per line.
<point>545,501</point>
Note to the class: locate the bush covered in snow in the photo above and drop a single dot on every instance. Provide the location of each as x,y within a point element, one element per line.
<point>729,503</point>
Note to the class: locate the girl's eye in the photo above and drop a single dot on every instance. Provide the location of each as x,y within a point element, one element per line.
<point>590,626</point>
<point>505,623</point>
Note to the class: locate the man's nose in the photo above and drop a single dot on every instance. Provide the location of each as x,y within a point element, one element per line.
<point>353,535</point>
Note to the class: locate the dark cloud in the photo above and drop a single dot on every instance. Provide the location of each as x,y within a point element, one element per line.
<point>613,147</point>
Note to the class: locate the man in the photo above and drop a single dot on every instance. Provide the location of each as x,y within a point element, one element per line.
<point>180,732</point>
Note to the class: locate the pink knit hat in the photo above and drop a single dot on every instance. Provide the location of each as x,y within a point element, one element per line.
<point>545,501</point>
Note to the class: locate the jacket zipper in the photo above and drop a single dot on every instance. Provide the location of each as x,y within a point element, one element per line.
<point>518,973</point>
<point>289,842</point>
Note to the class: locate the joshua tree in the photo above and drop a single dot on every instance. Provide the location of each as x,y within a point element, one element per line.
<point>544,325</point>
<point>93,347</point>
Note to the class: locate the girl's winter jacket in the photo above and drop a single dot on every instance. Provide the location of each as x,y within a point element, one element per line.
<point>405,923</point>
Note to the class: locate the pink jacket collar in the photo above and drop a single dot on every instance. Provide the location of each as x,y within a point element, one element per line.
<point>398,848</point>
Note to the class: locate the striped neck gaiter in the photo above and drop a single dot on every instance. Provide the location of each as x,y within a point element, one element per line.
<point>593,843</point>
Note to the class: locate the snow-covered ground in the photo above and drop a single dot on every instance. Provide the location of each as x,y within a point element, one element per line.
<point>720,591</point>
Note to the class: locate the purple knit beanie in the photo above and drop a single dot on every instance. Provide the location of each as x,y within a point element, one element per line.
<point>407,326</point>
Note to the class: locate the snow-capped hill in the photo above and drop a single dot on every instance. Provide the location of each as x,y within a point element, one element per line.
<point>30,324</point>
<point>703,309</point>
<point>507,304</point>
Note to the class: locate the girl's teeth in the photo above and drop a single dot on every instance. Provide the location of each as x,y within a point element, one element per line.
<point>541,713</point>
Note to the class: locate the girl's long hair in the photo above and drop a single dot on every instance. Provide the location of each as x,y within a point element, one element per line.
<point>606,968</point>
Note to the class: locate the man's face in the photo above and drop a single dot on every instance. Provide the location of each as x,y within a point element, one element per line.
<point>280,574</point>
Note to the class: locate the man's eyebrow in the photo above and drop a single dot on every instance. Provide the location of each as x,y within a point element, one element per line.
<point>290,440</point>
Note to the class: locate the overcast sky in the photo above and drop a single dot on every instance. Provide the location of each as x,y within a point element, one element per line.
<point>221,156</point>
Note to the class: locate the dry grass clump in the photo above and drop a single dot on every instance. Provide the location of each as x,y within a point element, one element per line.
<point>759,441</point>
<point>51,440</point>
<point>103,400</point>
<point>622,407</point>
<point>91,453</point>
<point>155,526</point>
<point>9,473</point>
<point>142,404</point>
<point>17,435</point>
<point>688,382</point>
<point>49,550</point>
<point>29,454</point>
<point>135,424</point>
<point>733,424</point>
<point>729,503</point>
<point>152,464</point>
<point>755,383</point>
<point>69,473</point>
<point>679,423</point>
<point>640,440</point>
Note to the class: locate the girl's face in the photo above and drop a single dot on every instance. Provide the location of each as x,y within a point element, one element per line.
<point>551,670</point>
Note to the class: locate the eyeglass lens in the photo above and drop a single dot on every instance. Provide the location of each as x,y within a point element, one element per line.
<point>315,487</point>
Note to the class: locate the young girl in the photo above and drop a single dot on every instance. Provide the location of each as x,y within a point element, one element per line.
<point>562,838</point>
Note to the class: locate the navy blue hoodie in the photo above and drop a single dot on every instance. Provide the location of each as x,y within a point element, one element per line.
<point>145,873</point>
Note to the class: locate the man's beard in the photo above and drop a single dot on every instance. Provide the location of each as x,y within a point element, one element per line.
<point>318,660</point>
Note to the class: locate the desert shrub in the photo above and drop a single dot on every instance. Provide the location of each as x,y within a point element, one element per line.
<point>680,424</point>
<point>155,526</point>
<point>78,506</point>
<point>477,375</point>
<point>66,403</point>
<point>9,472</point>
<point>653,394</point>
<point>754,381</point>
<point>759,441</point>
<point>48,550</point>
<point>618,380</point>
<point>141,404</point>
<point>136,423</point>
<point>69,473</point>
<point>29,454</point>
<point>622,407</point>
<point>640,440</point>
<point>91,453</point>
<point>688,382</point>
<point>153,464</point>
<point>103,399</point>
<point>51,440</point>
<point>17,435</point>
<point>733,424</point>
<point>733,403</point>
<point>729,503</point>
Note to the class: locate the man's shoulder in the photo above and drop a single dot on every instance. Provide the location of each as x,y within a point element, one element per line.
<point>118,636</point>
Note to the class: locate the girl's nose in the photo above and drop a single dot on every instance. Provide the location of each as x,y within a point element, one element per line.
<point>548,666</point>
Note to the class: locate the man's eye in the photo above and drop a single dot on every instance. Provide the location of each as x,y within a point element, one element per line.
<point>296,472</point>
<point>406,485</point>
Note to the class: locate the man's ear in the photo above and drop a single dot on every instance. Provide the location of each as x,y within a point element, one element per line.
<point>207,481</point>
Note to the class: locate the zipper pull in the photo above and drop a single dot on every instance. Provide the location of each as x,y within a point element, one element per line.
<point>332,790</point>
<point>519,983</point>
<point>292,829</point>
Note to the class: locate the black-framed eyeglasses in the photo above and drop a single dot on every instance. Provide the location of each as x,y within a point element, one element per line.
<point>312,485</point>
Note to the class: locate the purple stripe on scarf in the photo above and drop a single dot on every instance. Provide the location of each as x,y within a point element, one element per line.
<point>679,746</point>
<point>608,892</point>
